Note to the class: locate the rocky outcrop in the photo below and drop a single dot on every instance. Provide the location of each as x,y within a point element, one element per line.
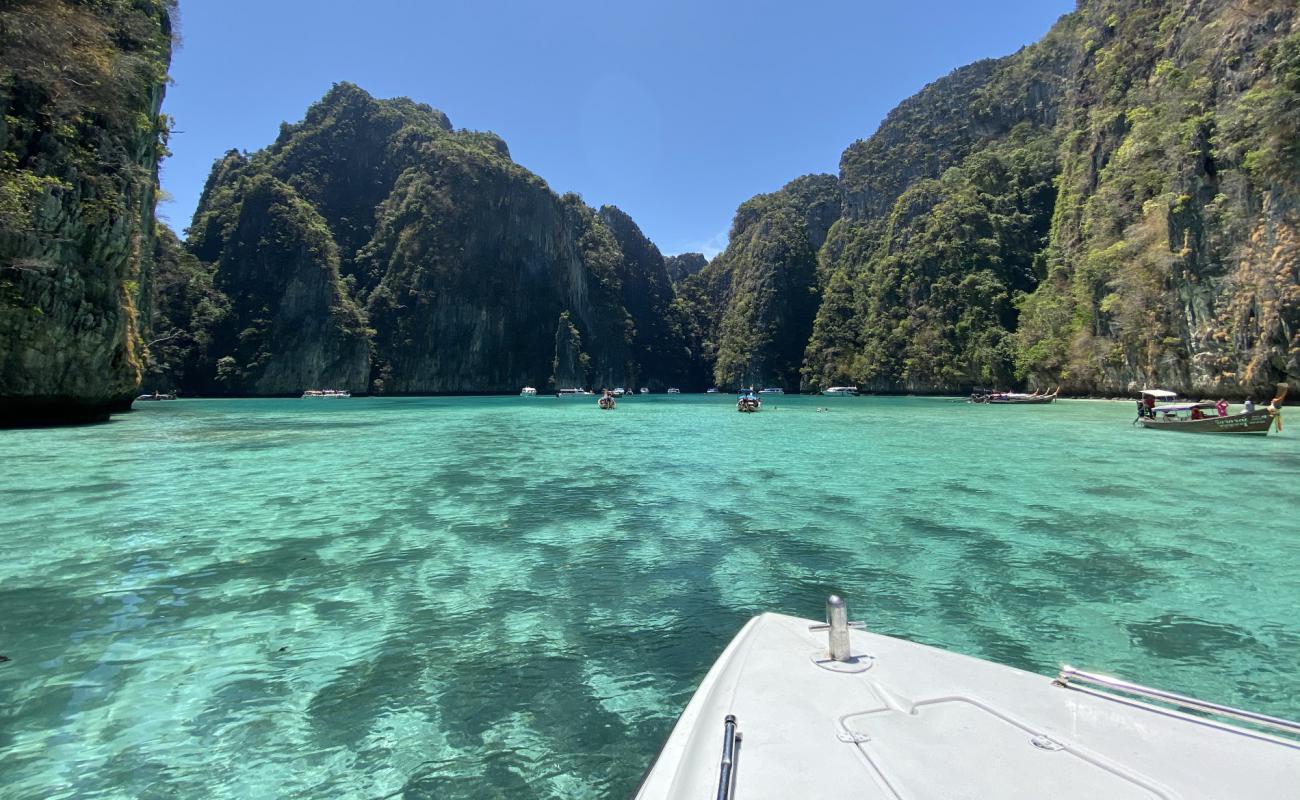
<point>684,265</point>
<point>291,324</point>
<point>571,365</point>
<point>1173,258</point>
<point>460,260</point>
<point>79,152</point>
<point>187,310</point>
<point>751,309</point>
<point>1115,205</point>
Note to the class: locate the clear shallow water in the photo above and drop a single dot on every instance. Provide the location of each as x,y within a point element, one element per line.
<point>500,597</point>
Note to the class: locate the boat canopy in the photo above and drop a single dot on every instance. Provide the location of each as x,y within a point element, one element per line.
<point>1159,393</point>
<point>1169,409</point>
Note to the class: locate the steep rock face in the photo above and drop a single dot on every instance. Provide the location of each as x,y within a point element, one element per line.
<point>480,259</point>
<point>569,371</point>
<point>290,323</point>
<point>927,302</point>
<point>947,208</point>
<point>751,309</point>
<point>462,260</point>
<point>683,265</point>
<point>1174,255</point>
<point>187,308</point>
<point>948,120</point>
<point>1113,206</point>
<point>646,291</point>
<point>79,152</point>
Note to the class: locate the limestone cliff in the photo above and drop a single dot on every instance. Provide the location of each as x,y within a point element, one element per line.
<point>682,266</point>
<point>1115,205</point>
<point>461,260</point>
<point>79,152</point>
<point>291,324</point>
<point>1175,248</point>
<point>751,309</point>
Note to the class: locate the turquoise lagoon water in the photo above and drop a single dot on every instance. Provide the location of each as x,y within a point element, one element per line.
<point>502,597</point>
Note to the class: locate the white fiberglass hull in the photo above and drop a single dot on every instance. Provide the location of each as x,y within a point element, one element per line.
<point>917,722</point>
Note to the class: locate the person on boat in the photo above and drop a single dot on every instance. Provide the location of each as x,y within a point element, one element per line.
<point>1151,405</point>
<point>1250,405</point>
<point>1221,407</point>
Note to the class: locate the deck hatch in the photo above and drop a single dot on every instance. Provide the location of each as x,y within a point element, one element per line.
<point>957,748</point>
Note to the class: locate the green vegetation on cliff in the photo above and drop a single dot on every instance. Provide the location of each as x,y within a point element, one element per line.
<point>1175,249</point>
<point>81,85</point>
<point>1116,205</point>
<point>751,310</point>
<point>453,263</point>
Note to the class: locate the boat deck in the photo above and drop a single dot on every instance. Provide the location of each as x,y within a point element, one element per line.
<point>903,720</point>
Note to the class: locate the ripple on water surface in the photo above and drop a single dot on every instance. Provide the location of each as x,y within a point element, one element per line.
<point>514,598</point>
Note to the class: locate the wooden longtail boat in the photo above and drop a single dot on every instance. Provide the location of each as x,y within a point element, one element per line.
<point>1204,417</point>
<point>1015,398</point>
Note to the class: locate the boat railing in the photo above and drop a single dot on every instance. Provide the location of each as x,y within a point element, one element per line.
<point>726,772</point>
<point>1101,685</point>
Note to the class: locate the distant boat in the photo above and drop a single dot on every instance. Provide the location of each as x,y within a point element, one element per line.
<point>607,403</point>
<point>713,390</point>
<point>573,393</point>
<point>644,390</point>
<point>1207,417</point>
<point>332,394</point>
<point>157,396</point>
<point>528,391</point>
<point>841,391</point>
<point>1014,398</point>
<point>674,391</point>
<point>771,390</point>
<point>619,392</point>
<point>749,403</point>
<point>796,708</point>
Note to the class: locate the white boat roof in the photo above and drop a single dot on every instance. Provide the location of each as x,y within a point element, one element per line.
<point>919,722</point>
<point>1159,393</point>
<point>1182,406</point>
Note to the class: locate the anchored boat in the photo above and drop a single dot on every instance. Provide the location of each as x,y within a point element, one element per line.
<point>782,715</point>
<point>1207,417</point>
<point>334,394</point>
<point>841,391</point>
<point>748,403</point>
<point>1015,398</point>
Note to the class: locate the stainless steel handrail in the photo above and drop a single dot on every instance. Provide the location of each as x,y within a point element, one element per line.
<point>1069,673</point>
<point>725,778</point>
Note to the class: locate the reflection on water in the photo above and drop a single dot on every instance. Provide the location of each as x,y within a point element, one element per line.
<point>514,598</point>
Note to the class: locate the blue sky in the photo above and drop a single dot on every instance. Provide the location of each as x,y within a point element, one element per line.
<point>674,111</point>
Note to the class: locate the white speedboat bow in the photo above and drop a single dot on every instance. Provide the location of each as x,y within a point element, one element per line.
<point>781,715</point>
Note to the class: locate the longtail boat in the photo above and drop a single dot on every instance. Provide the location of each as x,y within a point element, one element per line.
<point>1207,417</point>
<point>1015,398</point>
